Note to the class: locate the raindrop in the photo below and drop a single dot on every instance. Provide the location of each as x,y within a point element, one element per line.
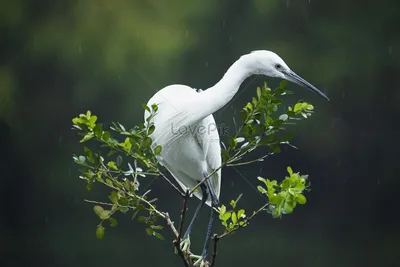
<point>187,33</point>
<point>390,50</point>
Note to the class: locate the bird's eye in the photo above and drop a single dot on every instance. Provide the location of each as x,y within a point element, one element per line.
<point>278,66</point>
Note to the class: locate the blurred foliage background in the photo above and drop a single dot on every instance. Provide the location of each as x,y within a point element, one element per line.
<point>60,58</point>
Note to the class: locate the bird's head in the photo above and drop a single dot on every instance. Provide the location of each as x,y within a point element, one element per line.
<point>270,64</point>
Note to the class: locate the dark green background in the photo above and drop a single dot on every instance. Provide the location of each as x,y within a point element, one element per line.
<point>60,58</point>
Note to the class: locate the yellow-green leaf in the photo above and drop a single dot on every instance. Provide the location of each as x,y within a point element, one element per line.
<point>100,232</point>
<point>98,210</point>
<point>301,199</point>
<point>112,165</point>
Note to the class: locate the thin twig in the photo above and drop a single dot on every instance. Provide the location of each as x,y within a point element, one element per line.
<point>214,256</point>
<point>249,162</point>
<point>205,179</point>
<point>170,224</point>
<point>171,184</point>
<point>98,202</point>
<point>176,242</point>
<point>183,213</point>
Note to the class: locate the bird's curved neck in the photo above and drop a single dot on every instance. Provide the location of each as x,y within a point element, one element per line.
<point>207,102</point>
<point>222,92</point>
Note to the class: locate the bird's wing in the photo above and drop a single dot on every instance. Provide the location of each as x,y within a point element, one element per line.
<point>210,144</point>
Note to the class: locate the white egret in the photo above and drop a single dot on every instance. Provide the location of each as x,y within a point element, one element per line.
<point>186,129</point>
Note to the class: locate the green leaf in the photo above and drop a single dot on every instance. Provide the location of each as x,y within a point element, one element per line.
<point>249,106</point>
<point>142,219</point>
<point>254,100</point>
<point>222,210</point>
<point>301,199</point>
<point>157,150</point>
<point>147,142</point>
<point>124,209</point>
<point>98,130</point>
<point>151,129</point>
<point>283,84</point>
<point>154,107</point>
<point>89,154</point>
<point>258,92</point>
<point>149,231</point>
<point>113,222</point>
<point>86,137</point>
<point>144,106</point>
<point>240,213</point>
<point>100,232</point>
<point>105,214</point>
<point>113,197</point>
<point>123,201</point>
<point>99,179</point>
<point>261,189</point>
<point>263,180</point>
<point>225,155</point>
<point>112,165</point>
<point>127,145</point>
<point>289,170</point>
<point>232,142</point>
<point>158,235</point>
<point>106,136</point>
<point>226,216</point>
<point>297,107</point>
<point>288,208</point>
<point>233,203</point>
<point>157,227</point>
<point>275,199</point>
<point>285,184</point>
<point>98,210</point>
<point>234,218</point>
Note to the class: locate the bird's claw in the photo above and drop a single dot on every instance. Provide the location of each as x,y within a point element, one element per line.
<point>185,244</point>
<point>200,262</point>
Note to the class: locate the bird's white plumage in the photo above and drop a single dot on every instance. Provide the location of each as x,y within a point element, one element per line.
<point>188,151</point>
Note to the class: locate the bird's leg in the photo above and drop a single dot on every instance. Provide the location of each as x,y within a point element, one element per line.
<point>185,244</point>
<point>214,204</point>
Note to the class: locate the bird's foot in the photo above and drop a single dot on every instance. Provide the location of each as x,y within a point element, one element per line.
<point>200,261</point>
<point>185,244</point>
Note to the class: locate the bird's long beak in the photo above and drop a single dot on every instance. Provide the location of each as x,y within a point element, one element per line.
<point>292,76</point>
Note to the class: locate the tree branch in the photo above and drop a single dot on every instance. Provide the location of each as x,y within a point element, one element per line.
<point>183,213</point>
<point>214,256</point>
